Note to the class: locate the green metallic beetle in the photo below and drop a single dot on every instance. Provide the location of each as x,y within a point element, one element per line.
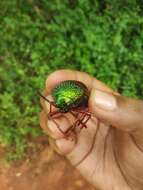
<point>70,96</point>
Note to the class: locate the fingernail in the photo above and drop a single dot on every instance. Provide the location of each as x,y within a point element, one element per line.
<point>104,100</point>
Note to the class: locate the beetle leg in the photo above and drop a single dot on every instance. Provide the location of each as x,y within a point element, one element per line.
<point>88,117</point>
<point>58,126</point>
<point>50,102</point>
<point>77,122</point>
<point>91,147</point>
<point>85,113</point>
<point>52,117</point>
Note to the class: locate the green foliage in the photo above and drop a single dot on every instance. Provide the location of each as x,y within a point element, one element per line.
<point>102,38</point>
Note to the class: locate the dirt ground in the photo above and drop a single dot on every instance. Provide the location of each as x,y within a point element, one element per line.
<point>43,169</point>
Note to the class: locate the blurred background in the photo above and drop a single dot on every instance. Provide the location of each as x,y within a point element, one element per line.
<point>103,38</point>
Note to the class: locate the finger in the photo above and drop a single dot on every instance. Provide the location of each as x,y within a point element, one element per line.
<point>43,122</point>
<point>123,113</point>
<point>61,75</point>
<point>65,146</point>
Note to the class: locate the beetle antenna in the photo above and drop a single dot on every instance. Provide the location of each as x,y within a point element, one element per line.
<point>44,97</point>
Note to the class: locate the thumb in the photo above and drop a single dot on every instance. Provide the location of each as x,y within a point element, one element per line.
<point>116,110</point>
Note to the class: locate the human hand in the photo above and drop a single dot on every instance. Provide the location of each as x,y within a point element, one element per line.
<point>116,160</point>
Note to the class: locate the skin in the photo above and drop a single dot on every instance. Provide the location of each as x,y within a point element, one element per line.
<point>116,160</point>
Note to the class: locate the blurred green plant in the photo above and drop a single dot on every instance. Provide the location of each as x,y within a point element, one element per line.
<point>102,38</point>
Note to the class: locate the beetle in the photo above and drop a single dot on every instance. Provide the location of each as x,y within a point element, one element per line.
<point>70,96</point>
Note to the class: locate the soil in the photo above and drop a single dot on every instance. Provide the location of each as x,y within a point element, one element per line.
<point>41,169</point>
